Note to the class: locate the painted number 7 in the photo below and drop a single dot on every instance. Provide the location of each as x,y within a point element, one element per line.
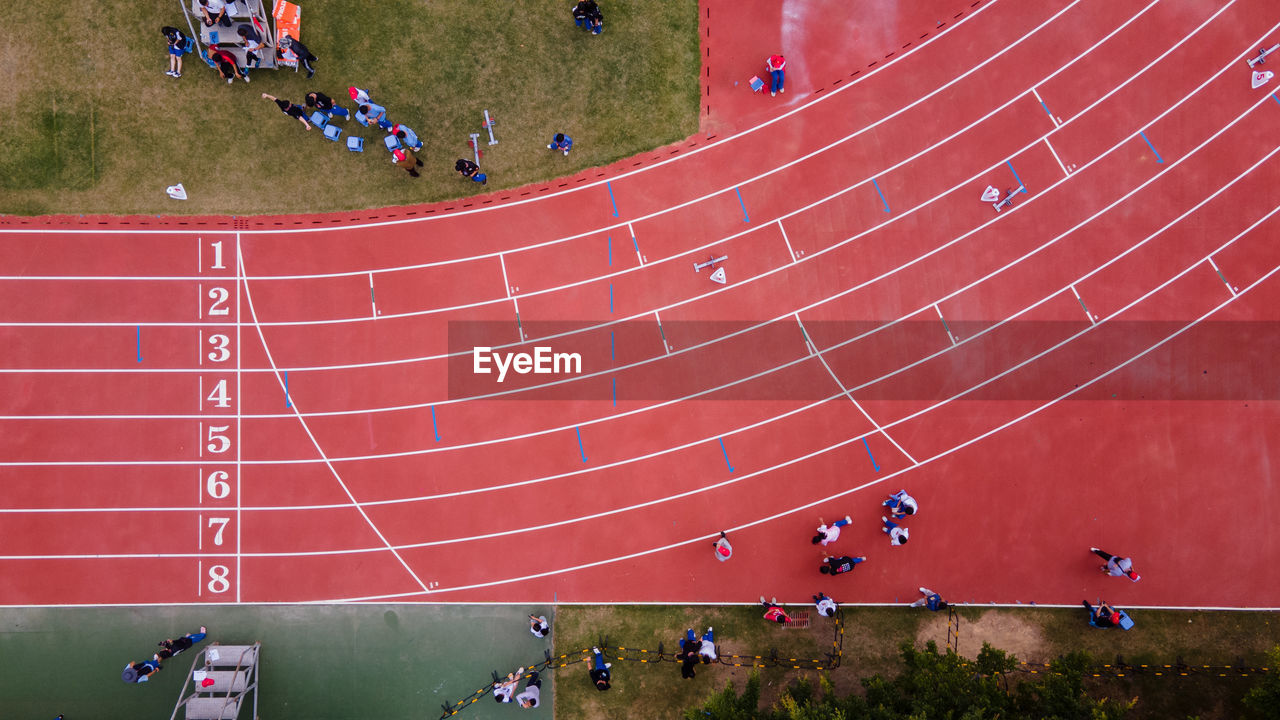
<point>222,525</point>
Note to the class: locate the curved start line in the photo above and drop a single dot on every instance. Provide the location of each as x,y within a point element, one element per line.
<point>1087,366</point>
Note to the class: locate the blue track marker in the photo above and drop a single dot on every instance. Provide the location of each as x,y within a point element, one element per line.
<point>1046,109</point>
<point>1021,185</point>
<point>726,454</point>
<point>139,343</point>
<point>1153,147</point>
<point>615,392</point>
<point>288,402</point>
<point>881,194</point>
<point>610,251</point>
<point>612,354</point>
<point>610,298</point>
<point>873,458</point>
<point>615,202</point>
<point>581,452</point>
<point>1273,97</point>
<point>434,428</point>
<point>745,219</point>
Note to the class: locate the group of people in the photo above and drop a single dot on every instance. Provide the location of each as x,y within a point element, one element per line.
<point>587,15</point>
<point>224,62</point>
<point>504,691</point>
<point>1104,615</point>
<point>140,672</point>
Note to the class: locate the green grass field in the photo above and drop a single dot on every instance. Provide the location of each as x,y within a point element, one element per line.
<point>91,124</point>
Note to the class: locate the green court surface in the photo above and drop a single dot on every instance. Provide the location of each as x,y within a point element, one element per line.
<point>318,661</point>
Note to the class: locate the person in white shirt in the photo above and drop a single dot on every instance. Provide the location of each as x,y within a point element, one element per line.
<point>897,534</point>
<point>1117,566</point>
<point>532,692</point>
<point>901,504</point>
<point>826,606</point>
<point>539,626</point>
<point>707,646</point>
<point>215,12</point>
<point>504,689</point>
<point>828,534</point>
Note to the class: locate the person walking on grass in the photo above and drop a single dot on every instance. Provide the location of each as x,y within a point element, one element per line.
<point>178,46</point>
<point>600,675</point>
<point>897,533</point>
<point>826,606</point>
<point>562,142</point>
<point>290,109</point>
<point>1117,566</point>
<point>839,565</point>
<point>828,534</point>
<point>931,600</point>
<point>326,105</point>
<point>171,647</point>
<point>773,612</point>
<point>404,158</point>
<point>777,73</point>
<point>470,171</point>
<point>724,550</point>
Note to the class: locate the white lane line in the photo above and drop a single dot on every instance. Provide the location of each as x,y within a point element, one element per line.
<point>849,395</point>
<point>636,245</point>
<point>809,104</point>
<point>1093,320</point>
<point>666,345</point>
<point>732,481</point>
<point>787,240</point>
<point>1055,156</point>
<point>239,486</point>
<point>373,299</point>
<point>505,282</point>
<point>945,326</point>
<point>1221,277</point>
<point>743,232</point>
<point>979,334</point>
<point>302,421</point>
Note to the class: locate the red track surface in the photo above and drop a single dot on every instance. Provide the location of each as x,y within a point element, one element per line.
<point>1094,366</point>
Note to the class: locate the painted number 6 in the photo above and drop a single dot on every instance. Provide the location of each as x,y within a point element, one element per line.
<point>217,485</point>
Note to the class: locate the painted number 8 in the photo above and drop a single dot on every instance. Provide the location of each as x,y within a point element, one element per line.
<point>218,582</point>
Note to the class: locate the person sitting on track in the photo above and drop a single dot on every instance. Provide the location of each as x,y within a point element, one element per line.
<point>839,565</point>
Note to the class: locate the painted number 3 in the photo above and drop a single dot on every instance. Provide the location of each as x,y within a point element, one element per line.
<point>218,582</point>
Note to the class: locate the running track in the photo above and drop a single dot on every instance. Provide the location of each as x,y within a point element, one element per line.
<point>280,410</point>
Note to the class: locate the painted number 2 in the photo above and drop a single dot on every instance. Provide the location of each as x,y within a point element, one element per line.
<point>219,297</point>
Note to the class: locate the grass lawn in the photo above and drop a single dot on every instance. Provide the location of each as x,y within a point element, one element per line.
<point>91,124</point>
<point>871,640</point>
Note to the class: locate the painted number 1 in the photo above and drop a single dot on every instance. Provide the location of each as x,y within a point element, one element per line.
<point>217,256</point>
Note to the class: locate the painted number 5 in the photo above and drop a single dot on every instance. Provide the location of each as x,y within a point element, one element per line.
<point>218,443</point>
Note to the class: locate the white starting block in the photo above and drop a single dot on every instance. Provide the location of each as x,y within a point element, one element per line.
<point>1007,201</point>
<point>1262,55</point>
<point>1260,78</point>
<point>475,146</point>
<point>990,194</point>
<point>718,276</point>
<point>488,125</point>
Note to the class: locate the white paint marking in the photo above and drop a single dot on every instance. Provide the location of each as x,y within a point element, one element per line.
<point>1055,157</point>
<point>1091,316</point>
<point>787,240</point>
<point>505,282</point>
<point>945,326</point>
<point>1221,277</point>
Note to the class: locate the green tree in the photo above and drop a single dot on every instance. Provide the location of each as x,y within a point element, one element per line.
<point>729,705</point>
<point>1264,698</point>
<point>1060,694</point>
<point>942,686</point>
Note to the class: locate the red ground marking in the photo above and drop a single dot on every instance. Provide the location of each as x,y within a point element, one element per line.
<point>986,394</point>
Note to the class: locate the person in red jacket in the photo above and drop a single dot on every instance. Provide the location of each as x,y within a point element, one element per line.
<point>777,67</point>
<point>773,612</point>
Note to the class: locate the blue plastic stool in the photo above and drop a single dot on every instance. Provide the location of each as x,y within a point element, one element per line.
<point>333,132</point>
<point>355,144</point>
<point>319,119</point>
<point>392,142</point>
<point>756,84</point>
